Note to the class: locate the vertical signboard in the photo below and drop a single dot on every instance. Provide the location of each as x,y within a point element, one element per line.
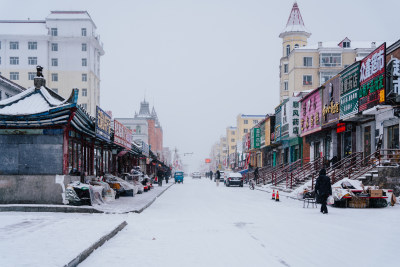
<point>393,77</point>
<point>330,102</point>
<point>311,111</point>
<point>122,135</point>
<point>103,123</point>
<point>372,79</point>
<point>349,86</point>
<point>255,138</point>
<point>145,149</point>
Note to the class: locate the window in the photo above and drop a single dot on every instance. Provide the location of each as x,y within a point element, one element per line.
<point>14,45</point>
<point>54,46</point>
<point>346,44</point>
<point>325,76</point>
<point>286,86</point>
<point>54,62</point>
<point>84,77</point>
<point>287,50</point>
<point>83,31</point>
<point>14,76</point>
<point>307,61</point>
<point>84,62</point>
<point>31,76</point>
<point>232,140</point>
<point>84,106</point>
<point>285,68</point>
<point>138,129</point>
<point>84,92</point>
<point>255,121</point>
<point>32,45</point>
<point>331,59</point>
<point>32,60</point>
<point>393,137</point>
<point>233,147</point>
<point>53,32</point>
<point>54,77</point>
<point>245,130</point>
<point>233,132</point>
<point>55,90</point>
<point>307,79</point>
<point>14,60</point>
<point>296,46</point>
<point>84,47</point>
<point>246,122</point>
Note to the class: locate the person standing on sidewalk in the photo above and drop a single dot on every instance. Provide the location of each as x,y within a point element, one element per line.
<point>218,176</point>
<point>323,190</point>
<point>256,175</point>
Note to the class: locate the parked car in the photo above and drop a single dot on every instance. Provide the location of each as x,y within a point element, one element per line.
<point>196,175</point>
<point>234,178</point>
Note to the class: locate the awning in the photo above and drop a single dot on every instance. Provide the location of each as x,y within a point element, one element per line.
<point>244,171</point>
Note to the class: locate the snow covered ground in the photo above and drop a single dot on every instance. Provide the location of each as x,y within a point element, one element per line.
<point>199,224</point>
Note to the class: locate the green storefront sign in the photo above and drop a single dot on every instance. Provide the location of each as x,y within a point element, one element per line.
<point>255,138</point>
<point>349,85</point>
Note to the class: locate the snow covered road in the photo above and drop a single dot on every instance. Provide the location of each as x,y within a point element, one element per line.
<point>199,224</point>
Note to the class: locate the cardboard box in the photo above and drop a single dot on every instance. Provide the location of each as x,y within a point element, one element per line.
<point>376,193</point>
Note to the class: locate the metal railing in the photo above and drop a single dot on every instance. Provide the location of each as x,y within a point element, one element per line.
<point>282,174</point>
<point>307,171</point>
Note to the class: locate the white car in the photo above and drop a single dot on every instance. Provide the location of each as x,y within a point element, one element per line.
<point>196,175</point>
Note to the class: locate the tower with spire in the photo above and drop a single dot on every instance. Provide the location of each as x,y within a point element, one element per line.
<point>294,35</point>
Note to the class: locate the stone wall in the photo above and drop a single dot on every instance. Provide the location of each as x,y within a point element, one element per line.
<point>31,154</point>
<point>388,177</point>
<point>34,189</point>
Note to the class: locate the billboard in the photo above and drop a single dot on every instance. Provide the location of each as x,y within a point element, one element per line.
<point>330,101</point>
<point>122,135</point>
<point>349,86</point>
<point>103,124</point>
<point>372,79</point>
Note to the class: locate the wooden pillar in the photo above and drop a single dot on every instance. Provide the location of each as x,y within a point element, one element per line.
<point>65,150</point>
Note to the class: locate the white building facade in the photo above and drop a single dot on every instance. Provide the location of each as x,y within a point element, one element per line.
<point>65,44</point>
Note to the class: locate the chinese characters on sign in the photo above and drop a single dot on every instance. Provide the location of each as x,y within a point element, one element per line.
<point>393,74</point>
<point>296,117</point>
<point>255,137</point>
<point>311,112</point>
<point>349,91</point>
<point>103,121</point>
<point>372,79</point>
<point>122,135</point>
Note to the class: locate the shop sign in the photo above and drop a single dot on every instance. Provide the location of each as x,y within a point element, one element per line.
<point>145,149</point>
<point>393,75</point>
<point>208,160</point>
<point>255,138</point>
<point>349,86</point>
<point>372,79</point>
<point>103,124</point>
<point>341,127</point>
<point>330,98</point>
<point>311,112</point>
<point>277,134</point>
<point>122,135</point>
<point>296,118</point>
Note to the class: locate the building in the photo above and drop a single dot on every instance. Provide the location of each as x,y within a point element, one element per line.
<point>154,129</point>
<point>65,44</point>
<point>231,139</point>
<point>305,67</point>
<point>139,129</point>
<point>9,88</point>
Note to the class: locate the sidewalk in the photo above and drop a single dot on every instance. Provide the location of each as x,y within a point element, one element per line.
<point>122,205</point>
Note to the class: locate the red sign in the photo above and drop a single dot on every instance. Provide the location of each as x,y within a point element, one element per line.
<point>208,160</point>
<point>122,135</point>
<point>372,79</point>
<point>341,127</point>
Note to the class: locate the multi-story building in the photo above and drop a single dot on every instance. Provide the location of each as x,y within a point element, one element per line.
<point>9,88</point>
<point>231,139</point>
<point>65,44</point>
<point>305,67</point>
<point>245,122</point>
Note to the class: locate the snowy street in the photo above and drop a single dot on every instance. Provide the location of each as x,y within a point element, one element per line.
<point>198,224</point>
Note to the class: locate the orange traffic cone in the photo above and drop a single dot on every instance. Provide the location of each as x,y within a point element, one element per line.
<point>277,196</point>
<point>273,195</point>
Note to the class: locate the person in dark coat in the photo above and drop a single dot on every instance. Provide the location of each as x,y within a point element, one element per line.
<point>217,177</point>
<point>256,175</point>
<point>323,190</point>
<point>211,175</point>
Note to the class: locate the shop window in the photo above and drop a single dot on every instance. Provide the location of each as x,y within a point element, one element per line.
<point>393,137</point>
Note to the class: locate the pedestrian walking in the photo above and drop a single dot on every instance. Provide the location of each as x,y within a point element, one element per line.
<point>256,175</point>
<point>218,176</point>
<point>211,175</point>
<point>323,190</point>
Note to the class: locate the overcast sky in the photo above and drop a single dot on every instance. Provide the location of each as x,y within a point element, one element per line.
<point>202,62</point>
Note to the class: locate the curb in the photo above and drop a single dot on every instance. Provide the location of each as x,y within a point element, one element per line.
<point>86,253</point>
<point>151,202</point>
<point>66,209</point>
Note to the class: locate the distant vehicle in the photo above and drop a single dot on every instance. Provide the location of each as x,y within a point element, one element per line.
<point>222,178</point>
<point>178,176</point>
<point>196,175</point>
<point>234,178</point>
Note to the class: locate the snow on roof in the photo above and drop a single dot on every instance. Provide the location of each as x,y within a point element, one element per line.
<point>69,15</point>
<point>31,101</point>
<point>23,27</point>
<point>295,22</point>
<point>334,44</point>
<point>12,84</point>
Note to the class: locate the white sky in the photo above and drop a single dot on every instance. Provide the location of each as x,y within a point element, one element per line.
<point>202,62</point>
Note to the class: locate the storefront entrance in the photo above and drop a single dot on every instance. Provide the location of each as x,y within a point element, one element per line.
<point>393,137</point>
<point>317,154</point>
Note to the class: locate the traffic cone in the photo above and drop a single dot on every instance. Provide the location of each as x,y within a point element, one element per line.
<point>273,195</point>
<point>277,196</point>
